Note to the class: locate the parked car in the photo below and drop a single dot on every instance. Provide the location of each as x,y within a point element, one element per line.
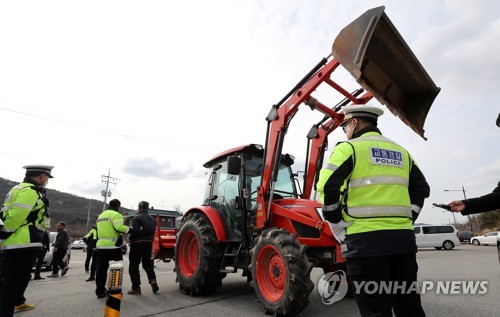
<point>437,236</point>
<point>489,238</point>
<point>47,260</point>
<point>464,235</point>
<point>79,245</point>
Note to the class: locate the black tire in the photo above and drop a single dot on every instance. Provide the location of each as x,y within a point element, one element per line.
<point>438,248</point>
<point>475,242</point>
<point>198,256</point>
<point>281,273</point>
<point>448,245</point>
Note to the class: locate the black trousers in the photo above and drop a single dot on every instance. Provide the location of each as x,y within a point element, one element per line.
<point>57,261</point>
<point>90,257</point>
<point>15,274</point>
<point>140,252</point>
<point>401,270</point>
<point>102,258</point>
<point>39,262</point>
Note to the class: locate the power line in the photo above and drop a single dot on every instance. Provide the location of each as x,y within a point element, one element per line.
<point>195,148</point>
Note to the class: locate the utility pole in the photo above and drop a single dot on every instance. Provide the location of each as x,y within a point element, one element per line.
<point>106,193</point>
<point>465,197</point>
<point>88,214</point>
<point>468,216</point>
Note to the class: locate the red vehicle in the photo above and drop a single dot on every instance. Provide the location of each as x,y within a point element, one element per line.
<point>167,226</point>
<point>254,218</point>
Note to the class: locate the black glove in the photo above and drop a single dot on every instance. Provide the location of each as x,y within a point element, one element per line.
<point>119,241</point>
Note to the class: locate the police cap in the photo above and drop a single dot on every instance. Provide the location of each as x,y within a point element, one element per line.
<point>368,112</point>
<point>47,169</point>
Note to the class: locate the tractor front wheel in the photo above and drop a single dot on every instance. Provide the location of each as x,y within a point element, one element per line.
<point>198,256</point>
<point>281,273</point>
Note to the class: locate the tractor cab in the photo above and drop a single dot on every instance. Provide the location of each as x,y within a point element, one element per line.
<point>234,177</point>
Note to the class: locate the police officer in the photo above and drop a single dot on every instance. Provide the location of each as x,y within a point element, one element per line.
<point>110,228</point>
<point>90,240</point>
<point>25,218</point>
<point>480,204</point>
<point>372,191</point>
<point>141,247</point>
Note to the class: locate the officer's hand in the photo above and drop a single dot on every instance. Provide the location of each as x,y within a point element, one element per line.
<point>339,231</point>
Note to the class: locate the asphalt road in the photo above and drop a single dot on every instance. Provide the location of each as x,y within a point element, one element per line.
<point>72,296</point>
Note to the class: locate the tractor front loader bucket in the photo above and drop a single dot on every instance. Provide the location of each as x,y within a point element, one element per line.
<point>376,55</point>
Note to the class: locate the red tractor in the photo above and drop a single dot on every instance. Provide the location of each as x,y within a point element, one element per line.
<point>254,217</point>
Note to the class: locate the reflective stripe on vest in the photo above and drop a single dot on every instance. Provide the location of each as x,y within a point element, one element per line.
<point>378,180</point>
<point>22,246</point>
<point>24,206</point>
<point>40,226</point>
<point>107,247</point>
<point>109,239</point>
<point>379,138</point>
<point>331,207</point>
<point>331,166</point>
<point>380,211</point>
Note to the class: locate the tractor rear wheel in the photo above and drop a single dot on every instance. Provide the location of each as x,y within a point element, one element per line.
<point>281,272</point>
<point>198,256</point>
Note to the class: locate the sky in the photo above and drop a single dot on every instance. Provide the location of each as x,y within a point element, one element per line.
<point>150,90</point>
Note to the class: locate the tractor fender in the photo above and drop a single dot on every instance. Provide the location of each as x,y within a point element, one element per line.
<point>214,218</point>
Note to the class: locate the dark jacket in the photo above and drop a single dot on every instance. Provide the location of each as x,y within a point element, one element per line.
<point>46,241</point>
<point>484,203</point>
<point>62,240</point>
<point>143,227</point>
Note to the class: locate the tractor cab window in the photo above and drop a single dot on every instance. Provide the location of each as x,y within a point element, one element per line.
<point>225,188</point>
<point>284,187</point>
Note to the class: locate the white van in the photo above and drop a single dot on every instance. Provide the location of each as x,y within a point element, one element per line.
<point>437,236</point>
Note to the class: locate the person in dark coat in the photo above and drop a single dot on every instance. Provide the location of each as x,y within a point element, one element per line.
<point>60,249</point>
<point>143,230</point>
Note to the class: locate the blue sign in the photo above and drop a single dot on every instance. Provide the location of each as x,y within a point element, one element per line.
<point>387,157</point>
